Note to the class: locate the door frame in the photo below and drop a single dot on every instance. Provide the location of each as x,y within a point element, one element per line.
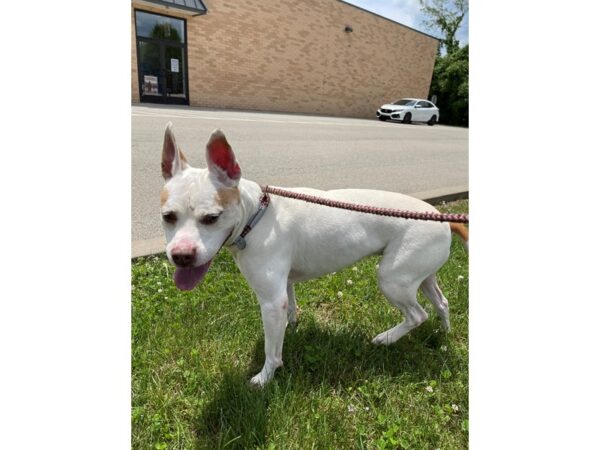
<point>164,98</point>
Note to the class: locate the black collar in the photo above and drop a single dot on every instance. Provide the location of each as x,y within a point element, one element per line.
<point>240,241</point>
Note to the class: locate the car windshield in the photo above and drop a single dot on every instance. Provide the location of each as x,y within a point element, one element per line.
<point>405,102</point>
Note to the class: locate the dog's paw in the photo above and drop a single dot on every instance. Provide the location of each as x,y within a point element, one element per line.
<point>446,326</point>
<point>257,381</point>
<point>292,318</point>
<point>383,339</point>
<point>266,374</point>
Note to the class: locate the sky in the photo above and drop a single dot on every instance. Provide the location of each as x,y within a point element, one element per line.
<point>408,12</point>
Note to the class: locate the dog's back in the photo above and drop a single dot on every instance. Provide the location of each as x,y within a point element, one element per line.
<point>322,239</point>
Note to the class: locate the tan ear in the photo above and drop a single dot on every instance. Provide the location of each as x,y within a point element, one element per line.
<point>173,160</point>
<point>221,160</point>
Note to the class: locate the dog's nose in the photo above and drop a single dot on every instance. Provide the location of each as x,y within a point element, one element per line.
<point>184,259</point>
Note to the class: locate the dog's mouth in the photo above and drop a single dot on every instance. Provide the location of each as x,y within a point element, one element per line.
<point>186,278</point>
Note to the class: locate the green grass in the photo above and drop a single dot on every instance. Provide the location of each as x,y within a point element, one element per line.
<point>194,352</point>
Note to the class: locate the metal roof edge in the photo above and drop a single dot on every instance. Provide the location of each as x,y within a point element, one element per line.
<point>175,6</point>
<point>391,20</point>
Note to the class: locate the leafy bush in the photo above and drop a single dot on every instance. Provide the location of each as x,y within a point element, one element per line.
<point>450,84</point>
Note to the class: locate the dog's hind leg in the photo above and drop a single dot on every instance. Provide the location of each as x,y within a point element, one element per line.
<point>292,316</point>
<point>405,299</point>
<point>399,285</point>
<point>432,291</point>
<point>407,262</point>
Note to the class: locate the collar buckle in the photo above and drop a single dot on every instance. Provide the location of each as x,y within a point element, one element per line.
<point>240,241</point>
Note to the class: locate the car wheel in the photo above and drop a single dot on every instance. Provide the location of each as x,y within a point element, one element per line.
<point>407,118</point>
<point>382,118</point>
<point>432,121</point>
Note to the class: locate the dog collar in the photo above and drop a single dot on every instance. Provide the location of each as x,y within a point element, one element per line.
<point>240,241</point>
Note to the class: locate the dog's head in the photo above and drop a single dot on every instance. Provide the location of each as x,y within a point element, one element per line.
<point>199,207</point>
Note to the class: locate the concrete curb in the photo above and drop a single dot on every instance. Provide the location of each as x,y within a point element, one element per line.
<point>437,196</point>
<point>146,247</point>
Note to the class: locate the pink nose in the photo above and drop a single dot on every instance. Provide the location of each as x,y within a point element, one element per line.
<point>184,255</point>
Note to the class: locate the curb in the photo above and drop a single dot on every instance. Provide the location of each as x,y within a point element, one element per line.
<point>155,246</point>
<point>148,247</point>
<point>437,196</point>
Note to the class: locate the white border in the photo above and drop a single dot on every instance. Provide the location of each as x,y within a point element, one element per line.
<point>533,306</point>
<point>65,318</point>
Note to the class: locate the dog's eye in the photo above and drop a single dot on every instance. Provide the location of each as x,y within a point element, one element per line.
<point>170,217</point>
<point>209,219</point>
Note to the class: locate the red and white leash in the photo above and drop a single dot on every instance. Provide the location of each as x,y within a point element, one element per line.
<point>389,212</point>
<point>240,241</point>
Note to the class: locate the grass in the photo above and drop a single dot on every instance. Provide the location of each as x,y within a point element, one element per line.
<point>194,352</point>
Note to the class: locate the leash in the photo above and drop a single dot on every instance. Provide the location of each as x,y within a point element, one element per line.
<point>389,212</point>
<point>240,241</point>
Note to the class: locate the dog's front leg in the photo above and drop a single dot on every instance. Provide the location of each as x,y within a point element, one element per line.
<point>292,316</point>
<point>274,316</point>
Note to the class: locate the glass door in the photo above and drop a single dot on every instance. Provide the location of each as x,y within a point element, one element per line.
<point>161,51</point>
<point>174,79</point>
<point>150,69</point>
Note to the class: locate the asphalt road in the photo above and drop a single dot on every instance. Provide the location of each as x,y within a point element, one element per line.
<point>297,150</point>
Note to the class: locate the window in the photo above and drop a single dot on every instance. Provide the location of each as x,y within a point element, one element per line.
<point>405,102</point>
<point>159,27</point>
<point>162,58</point>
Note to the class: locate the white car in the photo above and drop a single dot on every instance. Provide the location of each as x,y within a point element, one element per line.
<point>410,110</point>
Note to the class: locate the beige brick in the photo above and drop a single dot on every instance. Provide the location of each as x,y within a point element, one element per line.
<point>294,56</point>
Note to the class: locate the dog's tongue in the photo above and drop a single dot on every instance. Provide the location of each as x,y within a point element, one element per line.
<point>186,278</point>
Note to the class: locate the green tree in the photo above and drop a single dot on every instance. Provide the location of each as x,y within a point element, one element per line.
<point>450,84</point>
<point>164,30</point>
<point>445,17</point>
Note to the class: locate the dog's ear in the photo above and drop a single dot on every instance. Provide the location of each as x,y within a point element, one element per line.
<point>173,159</point>
<point>221,160</point>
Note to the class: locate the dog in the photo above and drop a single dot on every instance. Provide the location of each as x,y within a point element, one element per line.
<point>204,210</point>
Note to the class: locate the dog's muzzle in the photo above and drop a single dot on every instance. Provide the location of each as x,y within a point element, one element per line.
<point>184,253</point>
<point>184,259</point>
<point>187,274</point>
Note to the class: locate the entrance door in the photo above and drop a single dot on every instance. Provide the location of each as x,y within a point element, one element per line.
<point>162,56</point>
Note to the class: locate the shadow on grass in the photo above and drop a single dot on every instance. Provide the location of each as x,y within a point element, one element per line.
<point>236,417</point>
<point>314,356</point>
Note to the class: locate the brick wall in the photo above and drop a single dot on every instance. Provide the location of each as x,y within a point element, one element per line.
<point>294,56</point>
<point>135,92</point>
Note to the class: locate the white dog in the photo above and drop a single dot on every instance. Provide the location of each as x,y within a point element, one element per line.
<point>204,210</point>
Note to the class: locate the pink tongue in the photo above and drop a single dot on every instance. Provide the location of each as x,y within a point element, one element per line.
<point>186,278</point>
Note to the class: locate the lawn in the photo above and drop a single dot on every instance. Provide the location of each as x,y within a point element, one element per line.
<point>194,352</point>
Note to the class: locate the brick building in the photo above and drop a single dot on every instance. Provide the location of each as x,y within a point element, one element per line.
<point>307,56</point>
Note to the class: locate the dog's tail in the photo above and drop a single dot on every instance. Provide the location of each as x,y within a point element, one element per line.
<point>463,233</point>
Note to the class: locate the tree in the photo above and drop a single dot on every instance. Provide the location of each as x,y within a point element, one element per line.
<point>445,17</point>
<point>450,84</point>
